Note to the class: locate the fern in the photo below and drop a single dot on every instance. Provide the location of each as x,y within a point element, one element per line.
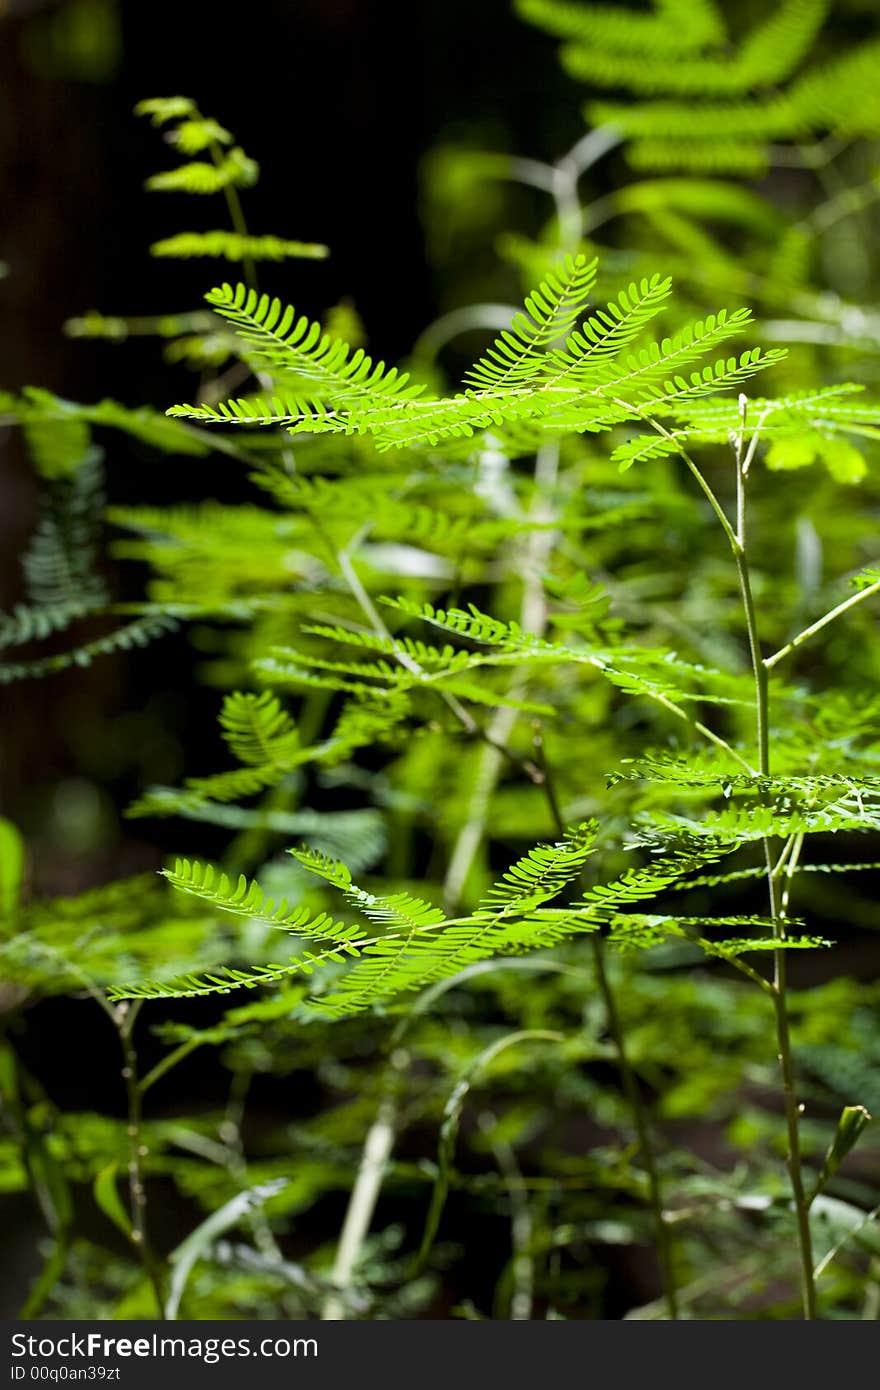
<point>135,634</point>
<point>719,104</point>
<point>233,169</point>
<point>232,246</point>
<point>541,874</point>
<point>551,312</point>
<point>586,385</point>
<point>257,729</point>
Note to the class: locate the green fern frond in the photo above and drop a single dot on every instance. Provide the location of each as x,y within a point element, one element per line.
<point>161,110</point>
<point>245,898</point>
<point>474,625</point>
<point>226,978</point>
<point>274,335</point>
<point>233,246</point>
<point>551,311</point>
<point>257,729</point>
<point>58,447</point>
<point>135,634</point>
<point>526,382</point>
<point>733,157</point>
<point>199,133</point>
<point>689,773</point>
<point>609,330</point>
<point>746,824</point>
<point>667,31</point>
<point>371,719</point>
<point>655,877</point>
<point>388,909</point>
<point>541,874</point>
<point>768,54</point>
<point>432,658</point>
<point>26,624</point>
<point>841,95</point>
<point>37,406</point>
<point>233,169</point>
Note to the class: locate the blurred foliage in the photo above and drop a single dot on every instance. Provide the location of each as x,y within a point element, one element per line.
<point>564,613</point>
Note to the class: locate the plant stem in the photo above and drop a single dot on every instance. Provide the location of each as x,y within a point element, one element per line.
<point>630,1088</point>
<point>792,1109</point>
<point>361,1205</point>
<point>737,541</point>
<point>490,735</point>
<point>777,909</point>
<point>646,1148</point>
<point>236,216</point>
<point>125,1017</point>
<point>817,626</point>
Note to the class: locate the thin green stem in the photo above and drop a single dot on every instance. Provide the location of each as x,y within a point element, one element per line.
<point>629,1081</point>
<point>777,913</point>
<point>126,1017</point>
<point>817,626</point>
<point>461,713</point>
<point>170,1060</point>
<point>758,667</point>
<point>792,1108</point>
<point>692,468</point>
<point>736,539</point>
<point>236,217</point>
<point>640,1119</point>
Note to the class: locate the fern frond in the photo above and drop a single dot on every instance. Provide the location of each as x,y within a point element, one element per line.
<point>37,406</point>
<point>541,874</point>
<point>164,109</point>
<point>551,311</point>
<point>768,54</point>
<point>665,32</point>
<point>232,246</point>
<point>297,346</point>
<point>257,729</point>
<point>60,561</point>
<point>609,330</point>
<point>198,133</point>
<point>33,624</point>
<point>245,898</point>
<point>235,169</point>
<point>734,157</point>
<point>657,876</point>
<point>135,634</point>
<point>392,908</point>
<point>224,979</point>
<point>527,381</point>
<point>745,824</point>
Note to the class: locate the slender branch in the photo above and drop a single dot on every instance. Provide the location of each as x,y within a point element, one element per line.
<point>521,1225</point>
<point>792,1108</point>
<point>361,1205</point>
<point>126,1017</point>
<point>236,216</point>
<point>777,912</point>
<point>170,1060</point>
<point>760,668</point>
<point>695,471</point>
<point>740,475</point>
<point>637,1107</point>
<point>817,626</point>
<point>630,1087</point>
<point>492,734</point>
